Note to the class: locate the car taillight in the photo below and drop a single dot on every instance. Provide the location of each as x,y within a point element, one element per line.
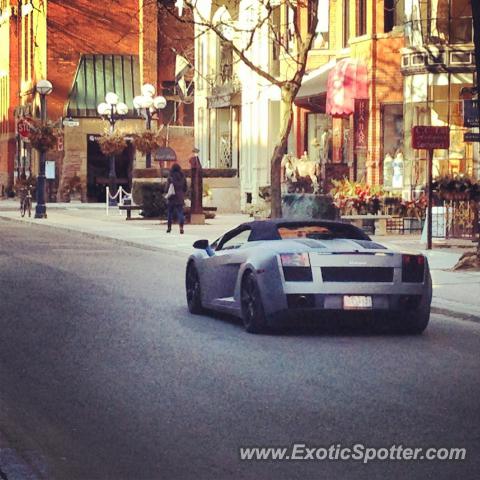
<point>296,267</point>
<point>413,268</point>
<point>295,259</point>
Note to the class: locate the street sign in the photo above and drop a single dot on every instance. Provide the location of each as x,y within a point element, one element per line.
<point>430,138</point>
<point>69,122</point>
<point>471,117</point>
<point>471,137</point>
<point>23,128</point>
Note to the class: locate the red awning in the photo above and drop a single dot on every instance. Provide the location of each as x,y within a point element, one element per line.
<point>347,81</point>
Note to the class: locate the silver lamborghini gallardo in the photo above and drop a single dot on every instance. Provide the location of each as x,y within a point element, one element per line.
<point>266,271</point>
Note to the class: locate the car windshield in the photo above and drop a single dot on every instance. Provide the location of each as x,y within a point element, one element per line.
<point>320,232</point>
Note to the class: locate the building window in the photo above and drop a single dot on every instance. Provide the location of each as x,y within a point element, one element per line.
<point>225,66</point>
<point>276,35</point>
<point>441,22</point>
<point>461,26</point>
<point>346,22</point>
<point>437,101</point>
<point>319,144</point>
<point>361,17</point>
<point>323,25</point>
<point>176,112</point>
<point>392,144</point>
<point>388,15</point>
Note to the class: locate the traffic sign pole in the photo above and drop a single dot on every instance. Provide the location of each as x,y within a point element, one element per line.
<point>430,198</point>
<point>429,138</point>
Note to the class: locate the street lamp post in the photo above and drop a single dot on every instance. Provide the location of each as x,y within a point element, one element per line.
<point>112,110</point>
<point>43,88</point>
<point>148,106</point>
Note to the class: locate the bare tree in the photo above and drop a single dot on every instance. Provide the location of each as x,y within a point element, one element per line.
<point>293,39</point>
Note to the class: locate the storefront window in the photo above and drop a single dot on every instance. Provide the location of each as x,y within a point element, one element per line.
<point>393,160</point>
<point>443,107</point>
<point>319,137</point>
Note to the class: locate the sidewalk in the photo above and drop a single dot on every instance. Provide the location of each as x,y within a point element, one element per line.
<point>455,293</point>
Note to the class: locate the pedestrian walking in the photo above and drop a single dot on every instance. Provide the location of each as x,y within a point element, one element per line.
<point>176,196</point>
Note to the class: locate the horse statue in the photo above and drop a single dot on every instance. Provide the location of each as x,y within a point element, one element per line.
<point>300,174</point>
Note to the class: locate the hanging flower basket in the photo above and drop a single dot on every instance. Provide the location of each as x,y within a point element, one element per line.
<point>44,137</point>
<point>147,141</point>
<point>112,144</point>
<point>459,188</point>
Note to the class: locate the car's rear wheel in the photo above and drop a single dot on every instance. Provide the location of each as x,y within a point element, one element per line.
<point>415,322</point>
<point>410,322</point>
<point>192,286</point>
<point>253,313</point>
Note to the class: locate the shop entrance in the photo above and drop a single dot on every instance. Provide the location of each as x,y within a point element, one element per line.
<point>98,169</point>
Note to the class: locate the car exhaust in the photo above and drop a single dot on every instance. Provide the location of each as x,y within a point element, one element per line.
<point>302,301</point>
<point>296,300</point>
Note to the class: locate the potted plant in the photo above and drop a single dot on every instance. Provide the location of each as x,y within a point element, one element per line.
<point>72,190</point>
<point>112,143</point>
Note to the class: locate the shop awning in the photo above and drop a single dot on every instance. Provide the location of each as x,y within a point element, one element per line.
<point>314,83</point>
<point>98,74</point>
<point>347,81</point>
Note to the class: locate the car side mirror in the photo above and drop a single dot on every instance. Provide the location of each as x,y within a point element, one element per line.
<point>201,244</point>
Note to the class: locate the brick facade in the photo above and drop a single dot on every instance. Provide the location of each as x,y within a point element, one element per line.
<point>50,43</point>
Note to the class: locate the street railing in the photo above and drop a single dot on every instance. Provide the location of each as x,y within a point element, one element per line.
<point>119,198</point>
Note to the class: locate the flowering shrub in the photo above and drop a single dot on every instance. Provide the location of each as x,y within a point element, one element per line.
<point>356,197</point>
<point>414,208</point>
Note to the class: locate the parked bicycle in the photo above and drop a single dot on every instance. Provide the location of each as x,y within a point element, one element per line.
<point>26,201</point>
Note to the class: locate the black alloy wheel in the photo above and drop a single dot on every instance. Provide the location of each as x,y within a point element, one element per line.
<point>192,286</point>
<point>253,313</point>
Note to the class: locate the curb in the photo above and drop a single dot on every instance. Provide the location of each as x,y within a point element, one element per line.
<point>96,236</point>
<point>455,314</point>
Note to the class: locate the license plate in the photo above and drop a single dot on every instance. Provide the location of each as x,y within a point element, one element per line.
<point>357,302</point>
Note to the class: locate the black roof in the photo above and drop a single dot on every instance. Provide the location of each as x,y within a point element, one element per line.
<point>268,229</point>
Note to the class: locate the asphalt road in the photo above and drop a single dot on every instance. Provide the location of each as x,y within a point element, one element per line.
<point>105,375</point>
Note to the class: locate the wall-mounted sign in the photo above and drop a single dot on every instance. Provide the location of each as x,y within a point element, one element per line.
<point>430,138</point>
<point>471,117</point>
<point>471,137</point>
<point>70,122</point>
<point>219,101</point>
<point>360,122</point>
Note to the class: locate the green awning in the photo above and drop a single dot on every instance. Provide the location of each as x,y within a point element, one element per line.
<point>98,74</point>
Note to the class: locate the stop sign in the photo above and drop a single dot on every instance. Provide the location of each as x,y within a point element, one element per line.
<point>23,128</point>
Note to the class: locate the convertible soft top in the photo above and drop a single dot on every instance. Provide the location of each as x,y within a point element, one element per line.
<point>269,229</point>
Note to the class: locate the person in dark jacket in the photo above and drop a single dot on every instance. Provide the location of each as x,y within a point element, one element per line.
<point>176,201</point>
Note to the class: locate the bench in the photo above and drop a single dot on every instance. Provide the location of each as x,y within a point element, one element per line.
<point>379,222</point>
<point>129,208</point>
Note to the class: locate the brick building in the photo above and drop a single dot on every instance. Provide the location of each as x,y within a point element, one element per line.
<point>85,49</point>
<point>359,42</point>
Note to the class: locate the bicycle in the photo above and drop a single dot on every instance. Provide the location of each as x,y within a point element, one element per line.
<point>26,202</point>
